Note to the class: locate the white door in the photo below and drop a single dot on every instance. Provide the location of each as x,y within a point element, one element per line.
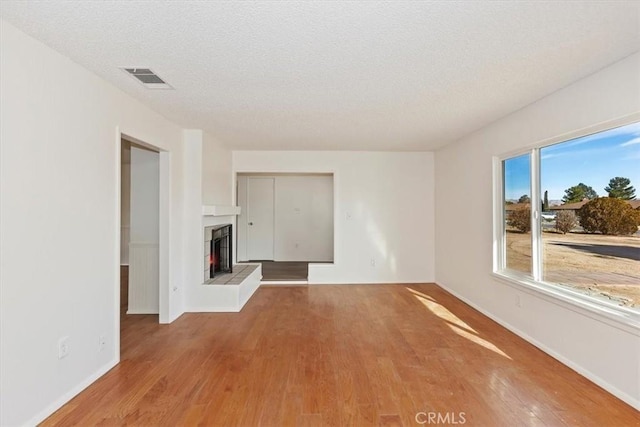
<point>260,218</point>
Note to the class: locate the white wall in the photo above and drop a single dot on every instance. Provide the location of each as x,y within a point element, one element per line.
<point>125,199</point>
<point>59,181</point>
<point>216,172</point>
<point>383,211</point>
<point>303,217</point>
<point>605,352</point>
<point>145,195</point>
<point>144,296</point>
<point>207,175</point>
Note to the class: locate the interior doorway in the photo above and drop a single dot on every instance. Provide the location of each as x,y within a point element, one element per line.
<point>140,229</point>
<point>128,233</point>
<point>286,221</point>
<point>125,221</point>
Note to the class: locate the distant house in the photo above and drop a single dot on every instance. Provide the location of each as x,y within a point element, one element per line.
<point>516,206</point>
<point>569,206</point>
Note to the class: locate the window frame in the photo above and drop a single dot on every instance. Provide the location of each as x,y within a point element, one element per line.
<point>600,309</point>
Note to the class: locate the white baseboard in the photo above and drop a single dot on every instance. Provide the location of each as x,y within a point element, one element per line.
<point>57,404</point>
<point>175,317</point>
<point>142,312</point>
<point>417,282</point>
<point>209,309</point>
<point>627,398</point>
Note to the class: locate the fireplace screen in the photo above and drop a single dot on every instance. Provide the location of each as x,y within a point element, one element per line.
<point>220,249</point>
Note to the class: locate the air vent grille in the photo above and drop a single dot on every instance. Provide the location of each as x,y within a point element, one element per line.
<point>138,71</point>
<point>147,77</point>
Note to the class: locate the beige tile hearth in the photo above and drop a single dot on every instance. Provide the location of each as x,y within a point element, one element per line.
<point>240,272</point>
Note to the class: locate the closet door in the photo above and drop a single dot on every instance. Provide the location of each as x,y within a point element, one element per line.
<point>260,218</point>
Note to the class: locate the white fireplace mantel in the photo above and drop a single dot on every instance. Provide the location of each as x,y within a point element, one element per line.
<point>220,210</point>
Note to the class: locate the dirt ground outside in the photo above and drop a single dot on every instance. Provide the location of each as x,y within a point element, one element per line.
<point>604,266</point>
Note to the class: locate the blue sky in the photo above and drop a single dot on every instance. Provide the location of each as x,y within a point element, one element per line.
<point>592,159</point>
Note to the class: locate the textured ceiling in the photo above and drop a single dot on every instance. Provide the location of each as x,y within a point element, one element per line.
<point>337,75</point>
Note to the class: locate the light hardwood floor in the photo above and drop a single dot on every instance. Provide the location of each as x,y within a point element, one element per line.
<point>338,355</point>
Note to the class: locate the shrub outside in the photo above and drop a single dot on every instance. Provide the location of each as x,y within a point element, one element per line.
<point>520,219</point>
<point>566,221</point>
<point>609,216</point>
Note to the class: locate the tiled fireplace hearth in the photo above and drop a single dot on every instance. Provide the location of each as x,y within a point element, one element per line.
<point>226,287</point>
<point>218,257</point>
<point>240,272</point>
<point>218,250</point>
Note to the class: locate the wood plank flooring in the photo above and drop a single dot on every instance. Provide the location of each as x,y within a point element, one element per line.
<point>283,270</point>
<point>351,355</point>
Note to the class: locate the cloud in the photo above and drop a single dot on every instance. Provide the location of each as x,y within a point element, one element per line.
<point>575,153</point>
<point>632,131</point>
<point>631,142</point>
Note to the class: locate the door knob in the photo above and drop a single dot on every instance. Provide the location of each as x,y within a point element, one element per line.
<point>250,223</point>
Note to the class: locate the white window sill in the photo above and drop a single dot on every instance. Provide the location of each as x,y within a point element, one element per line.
<point>620,317</point>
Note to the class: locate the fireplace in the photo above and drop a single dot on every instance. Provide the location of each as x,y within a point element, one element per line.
<point>218,249</point>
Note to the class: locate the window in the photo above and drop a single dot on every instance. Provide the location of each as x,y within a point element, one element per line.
<point>569,219</point>
<point>517,215</point>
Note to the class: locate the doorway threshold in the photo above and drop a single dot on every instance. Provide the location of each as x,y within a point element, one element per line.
<point>284,282</point>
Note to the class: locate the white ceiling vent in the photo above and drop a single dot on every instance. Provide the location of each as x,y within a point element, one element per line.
<point>147,77</point>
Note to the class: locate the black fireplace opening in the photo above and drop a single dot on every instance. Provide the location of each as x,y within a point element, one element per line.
<point>220,250</point>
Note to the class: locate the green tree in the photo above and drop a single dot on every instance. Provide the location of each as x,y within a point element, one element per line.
<point>621,188</point>
<point>608,215</point>
<point>524,199</point>
<point>545,202</point>
<point>578,193</point>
